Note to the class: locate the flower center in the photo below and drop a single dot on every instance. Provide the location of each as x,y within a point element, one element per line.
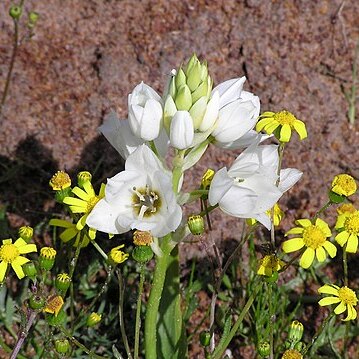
<point>60,180</point>
<point>351,224</point>
<point>347,296</point>
<point>145,201</point>
<point>346,208</point>
<point>285,118</point>
<point>345,184</point>
<point>270,261</point>
<point>142,238</point>
<point>313,237</point>
<point>9,252</point>
<point>91,203</point>
<point>292,354</point>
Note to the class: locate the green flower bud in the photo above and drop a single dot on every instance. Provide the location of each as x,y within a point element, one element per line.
<point>47,258</point>
<point>194,76</point>
<point>263,349</point>
<point>26,233</point>
<point>30,270</point>
<point>196,224</point>
<point>93,319</point>
<point>295,332</point>
<point>62,282</point>
<point>207,179</point>
<point>198,111</point>
<point>142,254</point>
<point>202,90</point>
<point>33,17</point>
<point>180,78</point>
<point>83,177</point>
<point>36,302</point>
<point>183,99</point>
<point>205,338</point>
<point>15,12</point>
<point>62,346</point>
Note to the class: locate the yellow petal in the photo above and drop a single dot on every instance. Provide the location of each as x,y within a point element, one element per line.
<point>342,238</point>
<point>340,221</point>
<point>340,308</point>
<point>292,245</point>
<point>285,133</point>
<point>262,123</point>
<point>324,227</point>
<point>3,269</point>
<point>92,233</point>
<point>295,230</point>
<point>328,289</point>
<point>16,266</point>
<point>28,248</point>
<point>271,127</point>
<point>81,193</point>
<point>299,126</point>
<point>267,114</point>
<point>320,253</point>
<point>352,313</point>
<point>81,222</point>
<point>307,258</point>
<point>328,301</point>
<point>89,189</point>
<point>75,202</point>
<point>331,248</point>
<point>352,244</point>
<point>19,243</point>
<point>304,222</point>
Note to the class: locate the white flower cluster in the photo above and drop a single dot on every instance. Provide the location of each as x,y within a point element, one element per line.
<point>189,116</point>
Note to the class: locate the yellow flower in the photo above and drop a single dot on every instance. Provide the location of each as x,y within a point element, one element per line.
<point>278,214</point>
<point>269,264</point>
<point>207,178</point>
<point>26,233</point>
<point>10,254</point>
<point>86,201</point>
<point>344,185</point>
<point>346,208</point>
<point>60,180</point>
<point>72,231</point>
<point>314,237</point>
<point>292,354</point>
<point>342,295</point>
<point>48,252</point>
<point>348,225</point>
<point>54,305</point>
<point>116,255</point>
<point>282,123</point>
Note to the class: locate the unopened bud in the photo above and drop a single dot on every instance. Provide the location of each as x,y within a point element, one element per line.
<point>15,12</point>
<point>205,338</point>
<point>36,302</point>
<point>263,349</point>
<point>196,224</point>
<point>62,282</point>
<point>93,319</point>
<point>62,346</point>
<point>26,233</point>
<point>33,17</point>
<point>295,332</point>
<point>30,270</point>
<point>142,254</point>
<point>83,177</point>
<point>47,258</point>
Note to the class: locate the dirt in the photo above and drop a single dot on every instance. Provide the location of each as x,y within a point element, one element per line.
<point>86,56</point>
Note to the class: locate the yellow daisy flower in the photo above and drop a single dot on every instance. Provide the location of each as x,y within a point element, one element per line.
<point>348,227</point>
<point>269,264</point>
<point>278,215</point>
<point>282,123</point>
<point>346,208</point>
<point>60,180</point>
<point>86,201</point>
<point>54,305</point>
<point>292,354</point>
<point>117,256</point>
<point>342,295</point>
<point>10,254</point>
<point>72,231</point>
<point>314,237</point>
<point>344,185</point>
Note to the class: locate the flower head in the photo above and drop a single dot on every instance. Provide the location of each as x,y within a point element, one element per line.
<point>54,305</point>
<point>117,256</point>
<point>26,233</point>
<point>292,354</point>
<point>348,227</point>
<point>142,238</point>
<point>269,264</point>
<point>344,185</point>
<point>86,201</point>
<point>141,197</point>
<point>314,238</point>
<point>346,208</point>
<point>93,319</point>
<point>60,180</point>
<point>10,255</point>
<point>344,296</point>
<point>281,123</point>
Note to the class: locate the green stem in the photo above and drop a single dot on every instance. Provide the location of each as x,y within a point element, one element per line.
<point>345,270</point>
<point>324,208</point>
<point>177,170</point>
<point>221,348</point>
<point>153,148</point>
<point>12,62</point>
<point>99,249</point>
<point>271,326</point>
<point>138,310</point>
<point>154,299</point>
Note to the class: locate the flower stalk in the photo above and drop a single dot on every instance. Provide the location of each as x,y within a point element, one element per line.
<point>138,310</point>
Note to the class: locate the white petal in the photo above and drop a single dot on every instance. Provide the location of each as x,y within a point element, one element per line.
<point>211,114</point>
<point>245,141</point>
<point>238,201</point>
<point>181,131</point>
<point>151,120</point>
<point>220,184</point>
<point>229,90</point>
<point>288,178</point>
<point>119,134</point>
<point>262,218</point>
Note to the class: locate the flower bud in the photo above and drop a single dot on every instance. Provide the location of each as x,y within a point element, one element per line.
<point>181,131</point>
<point>30,270</point>
<point>60,180</point>
<point>33,17</point>
<point>83,177</point>
<point>116,256</point>
<point>62,282</point>
<point>142,254</point>
<point>207,178</point>
<point>295,332</point>
<point>47,258</point>
<point>183,98</point>
<point>62,346</point>
<point>196,224</point>
<point>145,112</point>
<point>263,349</point>
<point>15,12</point>
<point>205,338</point>
<point>26,233</point>
<point>93,319</point>
<point>36,302</point>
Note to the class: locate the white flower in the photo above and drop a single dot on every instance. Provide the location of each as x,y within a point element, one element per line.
<point>238,113</point>
<point>181,131</point>
<point>247,189</point>
<point>140,197</point>
<point>119,134</point>
<point>145,112</point>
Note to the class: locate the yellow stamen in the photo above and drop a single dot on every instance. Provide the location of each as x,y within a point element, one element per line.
<point>60,180</point>
<point>347,296</point>
<point>8,253</point>
<point>313,237</point>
